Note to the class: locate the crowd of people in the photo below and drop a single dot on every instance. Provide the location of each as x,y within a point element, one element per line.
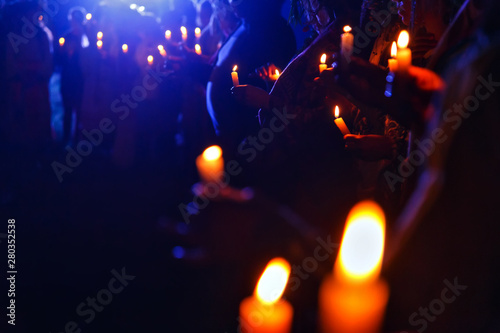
<point>141,91</point>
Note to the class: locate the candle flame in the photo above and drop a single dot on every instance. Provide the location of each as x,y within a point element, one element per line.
<point>99,35</point>
<point>323,58</point>
<point>336,113</point>
<point>394,50</point>
<point>133,6</point>
<point>362,248</point>
<point>125,48</point>
<point>403,39</point>
<point>273,281</point>
<point>183,30</point>
<point>61,41</point>
<point>160,48</point>
<point>212,153</point>
<point>150,59</point>
<point>99,44</point>
<point>347,28</point>
<point>197,49</point>
<point>197,32</point>
<point>168,34</point>
<point>235,68</point>
<point>88,16</point>
<point>277,72</point>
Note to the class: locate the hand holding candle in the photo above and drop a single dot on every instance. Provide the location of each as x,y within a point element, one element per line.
<point>340,122</point>
<point>353,299</point>
<point>404,53</point>
<point>234,76</point>
<point>274,315</point>
<point>274,76</point>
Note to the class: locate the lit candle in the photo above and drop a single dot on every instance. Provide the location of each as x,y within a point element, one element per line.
<point>347,40</point>
<point>210,164</point>
<point>275,76</point>
<point>184,33</point>
<point>322,60</point>
<point>265,311</point>
<point>99,35</point>
<point>150,60</point>
<point>393,62</point>
<point>88,16</point>
<point>197,49</point>
<point>197,32</point>
<point>168,34</point>
<point>353,299</point>
<point>99,44</point>
<point>125,48</point>
<point>61,41</point>
<point>340,122</point>
<point>234,76</point>
<point>404,53</point>
<point>162,50</point>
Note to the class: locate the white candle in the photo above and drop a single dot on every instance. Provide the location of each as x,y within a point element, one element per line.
<point>393,62</point>
<point>404,53</point>
<point>322,65</point>
<point>353,299</point>
<point>210,164</point>
<point>340,122</point>
<point>234,76</point>
<point>347,40</point>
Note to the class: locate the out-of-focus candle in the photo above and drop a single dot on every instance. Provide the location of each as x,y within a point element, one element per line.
<point>184,33</point>
<point>347,40</point>
<point>197,49</point>
<point>340,122</point>
<point>393,62</point>
<point>275,76</point>
<point>150,60</point>
<point>125,48</point>
<point>353,299</point>
<point>197,32</point>
<point>265,311</point>
<point>168,34</point>
<point>404,53</point>
<point>162,50</point>
<point>234,76</point>
<point>61,41</point>
<point>99,44</point>
<point>210,164</point>
<point>99,35</point>
<point>322,60</point>
<point>88,16</point>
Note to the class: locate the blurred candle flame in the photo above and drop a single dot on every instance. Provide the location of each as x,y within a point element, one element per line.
<point>273,281</point>
<point>394,50</point>
<point>125,48</point>
<point>337,111</point>
<point>61,41</point>
<point>323,58</point>
<point>403,39</point>
<point>347,28</point>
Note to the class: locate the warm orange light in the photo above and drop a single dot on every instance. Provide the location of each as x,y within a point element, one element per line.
<point>197,32</point>
<point>61,41</point>
<point>184,32</point>
<point>88,16</point>
<point>235,68</point>
<point>277,72</point>
<point>197,49</point>
<point>394,50</point>
<point>323,58</point>
<point>403,39</point>
<point>99,35</point>
<point>362,248</point>
<point>273,281</point>
<point>160,48</point>
<point>168,34</point>
<point>99,44</point>
<point>336,113</point>
<point>150,59</point>
<point>347,28</point>
<point>125,48</point>
<point>212,153</point>
<point>40,18</point>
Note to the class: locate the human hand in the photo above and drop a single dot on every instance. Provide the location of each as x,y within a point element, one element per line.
<point>251,96</point>
<point>370,147</point>
<point>268,72</point>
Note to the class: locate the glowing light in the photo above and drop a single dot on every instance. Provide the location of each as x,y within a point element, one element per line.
<point>133,6</point>
<point>125,48</point>
<point>197,49</point>
<point>235,68</point>
<point>394,50</point>
<point>273,281</point>
<point>337,111</point>
<point>277,72</point>
<point>88,16</point>
<point>40,18</point>
<point>61,41</point>
<point>323,58</point>
<point>183,30</point>
<point>347,28</point>
<point>197,32</point>
<point>99,44</point>
<point>160,48</point>
<point>403,39</point>
<point>150,59</point>
<point>99,35</point>
<point>362,248</point>
<point>212,153</point>
<point>141,9</point>
<point>168,34</point>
